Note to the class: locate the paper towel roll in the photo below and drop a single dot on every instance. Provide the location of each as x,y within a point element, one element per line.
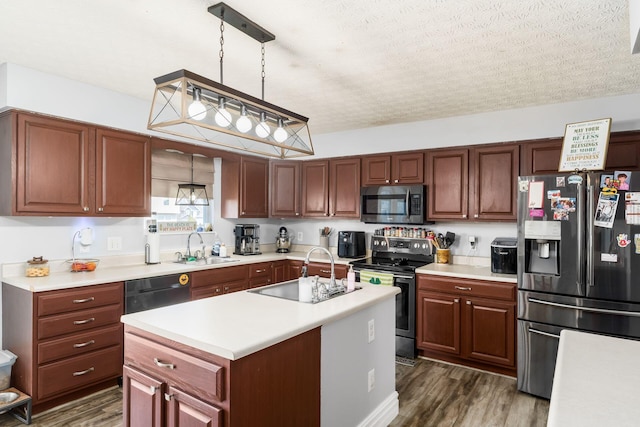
<point>153,240</point>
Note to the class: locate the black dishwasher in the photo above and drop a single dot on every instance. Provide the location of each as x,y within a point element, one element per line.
<point>154,292</point>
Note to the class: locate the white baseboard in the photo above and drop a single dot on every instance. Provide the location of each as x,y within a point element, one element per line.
<point>384,413</point>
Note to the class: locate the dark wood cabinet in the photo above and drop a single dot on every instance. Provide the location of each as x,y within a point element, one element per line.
<point>218,281</point>
<point>402,168</point>
<point>477,183</point>
<point>187,386</point>
<point>260,274</point>
<point>69,341</point>
<point>279,272</point>
<point>294,269</point>
<point>331,188</point>
<point>69,168</point>
<point>321,269</point>
<point>245,188</point>
<point>285,189</point>
<point>466,321</point>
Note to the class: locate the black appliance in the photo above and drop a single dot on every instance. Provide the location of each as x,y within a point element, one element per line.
<point>399,257</point>
<point>578,265</point>
<point>393,204</point>
<point>504,255</point>
<point>247,239</point>
<point>351,244</point>
<point>155,292</point>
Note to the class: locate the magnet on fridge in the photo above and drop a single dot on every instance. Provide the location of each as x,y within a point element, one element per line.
<point>623,240</point>
<point>575,179</point>
<point>609,257</point>
<point>524,186</point>
<point>559,181</point>
<point>536,213</point>
<point>636,239</point>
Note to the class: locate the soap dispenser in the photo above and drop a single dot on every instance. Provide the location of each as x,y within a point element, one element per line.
<point>351,279</point>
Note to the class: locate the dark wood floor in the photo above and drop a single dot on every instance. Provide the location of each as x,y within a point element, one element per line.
<point>431,394</point>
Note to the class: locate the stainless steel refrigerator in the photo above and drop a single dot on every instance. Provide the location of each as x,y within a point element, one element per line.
<point>578,265</point>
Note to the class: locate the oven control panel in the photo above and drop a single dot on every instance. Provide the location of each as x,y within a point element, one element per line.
<point>401,245</point>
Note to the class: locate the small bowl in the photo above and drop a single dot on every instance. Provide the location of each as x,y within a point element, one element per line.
<point>8,397</point>
<point>80,265</point>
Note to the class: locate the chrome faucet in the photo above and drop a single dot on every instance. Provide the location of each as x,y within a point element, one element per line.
<point>188,253</point>
<point>332,280</point>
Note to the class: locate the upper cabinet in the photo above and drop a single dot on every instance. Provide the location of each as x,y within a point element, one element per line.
<point>331,188</point>
<point>477,183</point>
<point>543,157</point>
<point>285,189</point>
<point>60,167</point>
<point>245,188</point>
<point>404,168</point>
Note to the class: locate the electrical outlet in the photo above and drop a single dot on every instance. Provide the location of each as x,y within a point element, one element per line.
<point>372,380</point>
<point>372,330</point>
<point>473,241</point>
<point>299,236</point>
<point>114,243</point>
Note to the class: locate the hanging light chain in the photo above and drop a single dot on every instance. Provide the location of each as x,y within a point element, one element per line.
<point>221,54</point>
<point>262,74</point>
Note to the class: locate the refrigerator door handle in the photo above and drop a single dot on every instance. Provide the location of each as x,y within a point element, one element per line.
<point>580,267</point>
<point>546,334</point>
<point>589,232</point>
<point>587,309</point>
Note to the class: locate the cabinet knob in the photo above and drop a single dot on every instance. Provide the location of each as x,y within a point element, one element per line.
<point>100,209</point>
<point>242,212</point>
<point>386,181</point>
<point>456,300</point>
<point>464,216</point>
<point>396,181</point>
<point>297,213</point>
<point>86,209</point>
<point>475,216</point>
<point>168,397</point>
<point>468,302</point>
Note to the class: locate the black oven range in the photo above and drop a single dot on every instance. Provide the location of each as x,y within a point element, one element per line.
<point>396,259</point>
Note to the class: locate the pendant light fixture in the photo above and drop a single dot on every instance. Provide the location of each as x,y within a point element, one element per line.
<point>192,194</point>
<point>188,105</point>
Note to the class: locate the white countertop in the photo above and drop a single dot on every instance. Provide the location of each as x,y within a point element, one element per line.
<point>241,323</point>
<point>123,268</point>
<point>596,381</point>
<point>467,271</point>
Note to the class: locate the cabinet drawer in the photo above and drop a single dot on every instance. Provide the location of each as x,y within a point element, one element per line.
<point>79,344</point>
<point>262,269</point>
<point>205,379</point>
<point>218,276</point>
<point>77,372</point>
<point>79,299</point>
<point>506,291</point>
<point>78,321</point>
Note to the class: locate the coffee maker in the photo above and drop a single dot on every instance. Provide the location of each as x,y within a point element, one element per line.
<point>247,239</point>
<point>283,241</point>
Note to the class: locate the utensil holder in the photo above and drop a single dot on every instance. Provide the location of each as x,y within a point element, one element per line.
<point>324,242</point>
<point>443,256</point>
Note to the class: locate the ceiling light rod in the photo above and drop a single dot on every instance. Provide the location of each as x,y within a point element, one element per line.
<point>241,22</point>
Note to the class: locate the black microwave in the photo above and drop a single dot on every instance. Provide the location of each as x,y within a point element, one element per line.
<point>393,204</point>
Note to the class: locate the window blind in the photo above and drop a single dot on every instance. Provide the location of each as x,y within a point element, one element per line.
<point>168,169</point>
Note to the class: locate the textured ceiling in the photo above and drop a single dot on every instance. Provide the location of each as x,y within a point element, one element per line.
<point>345,64</point>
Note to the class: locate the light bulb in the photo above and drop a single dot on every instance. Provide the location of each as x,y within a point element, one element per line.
<point>222,117</point>
<point>243,124</point>
<point>280,135</point>
<point>263,130</point>
<point>197,110</point>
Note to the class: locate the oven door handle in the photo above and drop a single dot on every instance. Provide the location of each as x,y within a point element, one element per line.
<point>546,334</point>
<point>395,276</point>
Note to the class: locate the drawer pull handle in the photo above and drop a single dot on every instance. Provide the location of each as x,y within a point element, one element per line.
<point>86,371</point>
<point>85,321</point>
<point>468,302</point>
<point>162,364</point>
<point>325,271</point>
<point>261,271</point>
<point>84,344</point>
<point>462,288</point>
<point>456,300</point>
<point>80,301</point>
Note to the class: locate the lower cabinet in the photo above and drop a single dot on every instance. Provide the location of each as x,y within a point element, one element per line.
<point>279,272</point>
<point>260,274</point>
<point>471,322</point>
<point>218,281</point>
<point>170,384</point>
<point>321,269</point>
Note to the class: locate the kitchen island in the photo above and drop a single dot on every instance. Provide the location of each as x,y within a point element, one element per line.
<point>250,359</point>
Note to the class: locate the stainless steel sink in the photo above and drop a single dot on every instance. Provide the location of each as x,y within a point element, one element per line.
<point>289,290</point>
<point>212,260</point>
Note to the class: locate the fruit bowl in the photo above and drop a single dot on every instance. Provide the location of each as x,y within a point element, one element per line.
<point>79,265</point>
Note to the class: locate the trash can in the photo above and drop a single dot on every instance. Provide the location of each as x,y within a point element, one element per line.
<point>7,359</point>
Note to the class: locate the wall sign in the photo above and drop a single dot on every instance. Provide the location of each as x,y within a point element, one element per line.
<point>585,146</point>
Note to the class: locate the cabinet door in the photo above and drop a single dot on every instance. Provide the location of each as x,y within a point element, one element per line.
<point>205,292</point>
<point>54,163</point>
<point>344,193</point>
<point>490,331</point>
<point>494,177</point>
<point>376,170</point>
<point>315,188</point>
<point>254,188</point>
<point>285,189</point>
<point>229,287</point>
<point>448,177</point>
<point>540,158</point>
<point>279,271</point>
<point>624,151</point>
<point>294,269</point>
<point>407,168</point>
<point>438,322</point>
<point>123,173</point>
<point>142,398</point>
<point>187,411</point>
